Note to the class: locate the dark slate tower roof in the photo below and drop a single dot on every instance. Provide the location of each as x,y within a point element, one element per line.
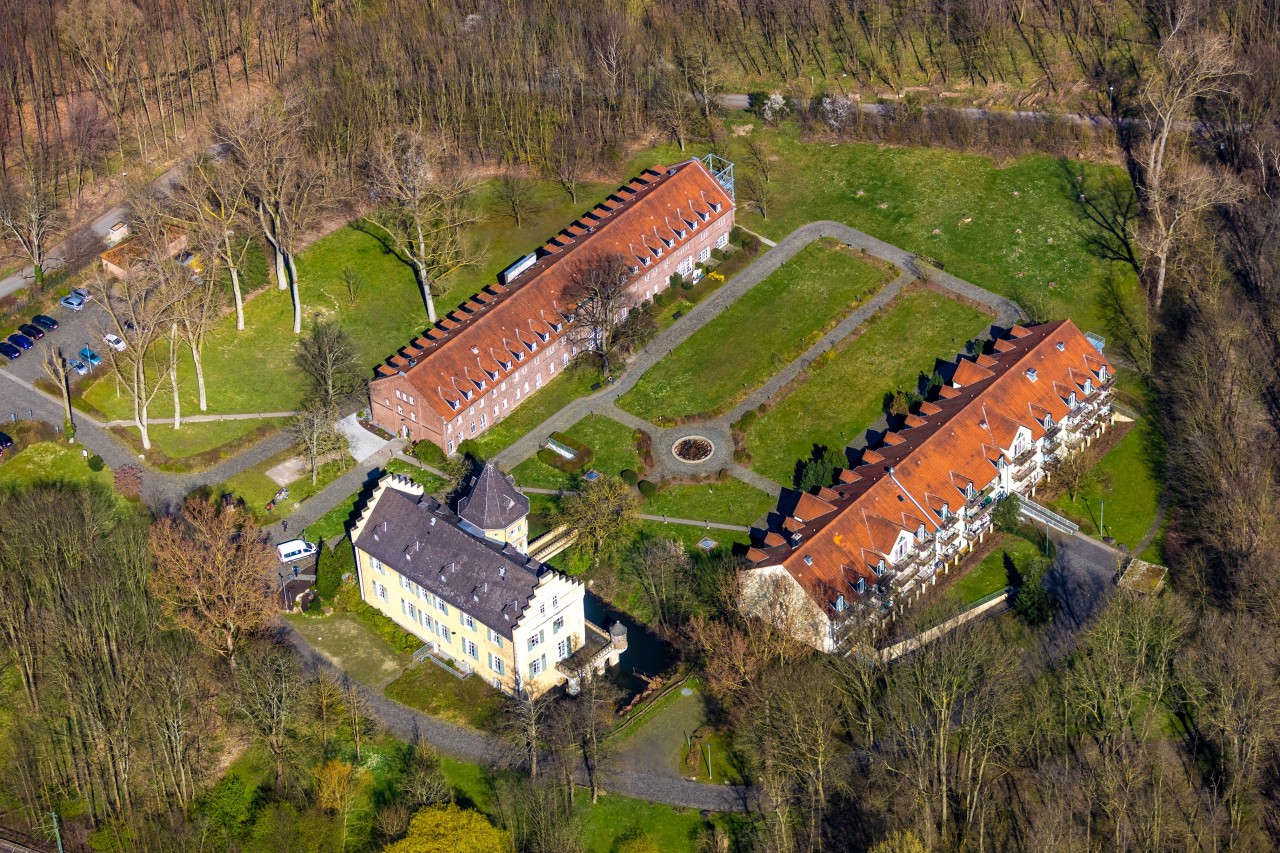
<point>493,502</point>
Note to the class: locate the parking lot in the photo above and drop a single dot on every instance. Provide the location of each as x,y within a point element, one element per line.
<point>76,329</point>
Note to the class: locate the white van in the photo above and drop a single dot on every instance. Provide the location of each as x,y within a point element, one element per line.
<point>295,549</point>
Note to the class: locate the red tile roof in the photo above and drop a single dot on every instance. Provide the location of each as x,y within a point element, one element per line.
<point>908,480</point>
<point>487,338</point>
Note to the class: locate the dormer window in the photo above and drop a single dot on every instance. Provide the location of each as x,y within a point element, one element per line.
<point>1031,374</point>
<point>543,336</point>
<point>945,512</point>
<point>519,356</point>
<point>506,365</point>
<point>480,384</point>
<point>808,561</point>
<point>920,533</point>
<point>1000,463</point>
<point>1102,373</point>
<point>633,270</point>
<point>716,206</point>
<point>453,404</point>
<point>491,374</point>
<point>839,602</point>
<point>557,327</point>
<point>468,394</point>
<point>1072,402</point>
<point>1062,347</point>
<point>646,260</point>
<point>861,585</point>
<point>1048,421</point>
<point>880,568</point>
<point>702,215</point>
<point>970,492</point>
<point>1088,387</point>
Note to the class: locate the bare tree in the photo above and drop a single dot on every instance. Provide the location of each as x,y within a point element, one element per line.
<point>88,139</point>
<point>268,694</point>
<point>102,35</point>
<point>211,575</point>
<point>568,158</point>
<point>140,309</point>
<point>424,208</point>
<point>30,215</point>
<point>211,200</point>
<point>758,156</point>
<point>328,357</point>
<point>593,714</point>
<point>524,717</point>
<point>1187,189</point>
<point>516,197</point>
<point>674,110</point>
<point>664,571</point>
<point>599,290</point>
<point>756,193</point>
<point>55,367</point>
<point>312,428</point>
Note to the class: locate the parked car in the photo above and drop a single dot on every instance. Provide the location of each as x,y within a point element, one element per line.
<point>46,321</point>
<point>21,341</point>
<point>114,342</point>
<point>296,549</point>
<point>75,303</point>
<point>82,293</point>
<point>5,442</point>
<point>78,366</point>
<point>33,332</point>
<point>9,351</point>
<point>90,356</point>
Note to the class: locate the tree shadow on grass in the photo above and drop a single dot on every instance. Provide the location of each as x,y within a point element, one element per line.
<point>1108,203</point>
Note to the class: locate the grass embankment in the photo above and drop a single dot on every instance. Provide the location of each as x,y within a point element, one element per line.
<point>843,392</point>
<point>1015,225</point>
<point>1122,495</point>
<point>47,462</point>
<point>756,336</point>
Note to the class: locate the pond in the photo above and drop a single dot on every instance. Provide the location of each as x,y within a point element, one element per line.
<point>646,652</point>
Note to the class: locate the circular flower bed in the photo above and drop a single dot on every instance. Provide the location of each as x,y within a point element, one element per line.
<point>692,448</point>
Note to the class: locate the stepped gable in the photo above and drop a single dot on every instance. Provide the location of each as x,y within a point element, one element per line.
<point>497,330</point>
<point>421,540</point>
<point>955,441</point>
<point>494,502</point>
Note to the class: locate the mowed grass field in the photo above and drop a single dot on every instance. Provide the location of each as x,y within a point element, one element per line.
<point>844,392</point>
<point>1025,226</point>
<point>611,445</point>
<point>253,370</point>
<point>756,336</point>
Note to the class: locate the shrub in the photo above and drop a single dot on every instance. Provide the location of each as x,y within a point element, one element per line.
<point>129,481</point>
<point>675,280</point>
<point>331,566</point>
<point>95,463</point>
<point>472,449</point>
<point>629,477</point>
<point>1005,515</point>
<point>647,488</point>
<point>69,429</point>
<point>425,451</point>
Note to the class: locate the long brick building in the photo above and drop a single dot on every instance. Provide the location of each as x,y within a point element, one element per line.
<point>917,502</point>
<point>484,359</point>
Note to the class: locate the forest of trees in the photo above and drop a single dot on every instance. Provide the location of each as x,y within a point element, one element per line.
<point>1152,725</point>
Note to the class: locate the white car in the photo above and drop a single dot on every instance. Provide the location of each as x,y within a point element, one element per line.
<point>114,342</point>
<point>296,549</point>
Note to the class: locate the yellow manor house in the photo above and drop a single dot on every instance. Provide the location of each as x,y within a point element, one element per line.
<point>464,585</point>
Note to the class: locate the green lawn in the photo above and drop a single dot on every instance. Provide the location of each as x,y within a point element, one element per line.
<point>199,445</point>
<point>256,488</point>
<point>729,502</point>
<point>615,818</point>
<point>429,482</point>
<point>353,647</point>
<point>333,524</point>
<point>253,370</point>
<point>48,462</point>
<point>1128,483</point>
<point>610,441</point>
<point>990,575</point>
<point>756,336</point>
<point>923,189</point>
<point>843,397</point>
<point>469,702</point>
<point>689,535</point>
<point>554,396</point>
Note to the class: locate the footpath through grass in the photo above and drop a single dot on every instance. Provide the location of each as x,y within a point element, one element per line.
<point>253,370</point>
<point>756,336</point>
<point>844,391</point>
<point>1002,227</point>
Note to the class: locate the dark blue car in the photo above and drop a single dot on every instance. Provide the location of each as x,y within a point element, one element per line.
<point>21,341</point>
<point>46,321</point>
<point>9,351</point>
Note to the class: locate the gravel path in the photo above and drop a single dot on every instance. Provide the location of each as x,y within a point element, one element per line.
<point>489,750</point>
<point>718,430</point>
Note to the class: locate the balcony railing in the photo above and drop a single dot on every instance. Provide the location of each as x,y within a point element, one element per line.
<point>1024,457</point>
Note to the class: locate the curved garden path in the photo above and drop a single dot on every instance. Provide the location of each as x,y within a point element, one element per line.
<point>604,402</point>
